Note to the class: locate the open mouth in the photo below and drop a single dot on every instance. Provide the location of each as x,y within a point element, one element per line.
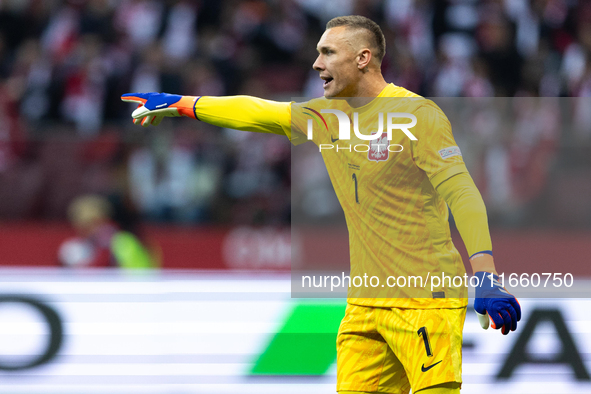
<point>327,81</point>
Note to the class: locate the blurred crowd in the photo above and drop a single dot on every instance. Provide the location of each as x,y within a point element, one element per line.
<point>64,64</point>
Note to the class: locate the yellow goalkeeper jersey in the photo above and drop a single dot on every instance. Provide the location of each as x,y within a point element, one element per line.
<point>397,222</point>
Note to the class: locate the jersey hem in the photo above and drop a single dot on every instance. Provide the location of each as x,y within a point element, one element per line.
<point>411,303</point>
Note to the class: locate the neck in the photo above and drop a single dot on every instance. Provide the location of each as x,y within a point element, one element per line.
<point>367,89</point>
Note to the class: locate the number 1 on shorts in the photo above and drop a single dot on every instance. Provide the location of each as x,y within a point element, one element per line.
<point>423,332</point>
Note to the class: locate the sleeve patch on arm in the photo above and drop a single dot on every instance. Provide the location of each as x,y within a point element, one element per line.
<point>450,152</point>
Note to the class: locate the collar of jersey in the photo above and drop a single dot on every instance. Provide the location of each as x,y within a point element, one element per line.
<point>373,102</point>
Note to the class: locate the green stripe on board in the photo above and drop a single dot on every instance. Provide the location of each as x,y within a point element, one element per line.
<point>306,343</point>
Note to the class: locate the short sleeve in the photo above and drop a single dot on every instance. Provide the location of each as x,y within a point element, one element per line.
<point>435,151</point>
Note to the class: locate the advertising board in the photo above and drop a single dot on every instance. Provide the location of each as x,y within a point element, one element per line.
<point>198,331</point>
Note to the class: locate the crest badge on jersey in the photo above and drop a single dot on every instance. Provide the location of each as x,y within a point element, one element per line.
<point>378,148</point>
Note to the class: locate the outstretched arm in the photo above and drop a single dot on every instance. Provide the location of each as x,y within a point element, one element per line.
<point>465,202</point>
<point>236,112</point>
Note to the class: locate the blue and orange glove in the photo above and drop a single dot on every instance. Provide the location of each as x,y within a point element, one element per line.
<point>153,107</point>
<point>494,301</point>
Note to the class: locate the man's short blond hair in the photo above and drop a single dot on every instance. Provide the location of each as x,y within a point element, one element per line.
<point>377,39</point>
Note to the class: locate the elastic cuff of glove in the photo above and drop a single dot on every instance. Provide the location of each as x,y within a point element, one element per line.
<point>483,261</point>
<point>483,252</point>
<point>186,106</point>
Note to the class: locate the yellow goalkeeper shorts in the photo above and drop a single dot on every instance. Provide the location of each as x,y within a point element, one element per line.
<point>391,350</point>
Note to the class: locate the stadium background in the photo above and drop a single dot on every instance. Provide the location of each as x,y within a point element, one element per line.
<point>221,200</point>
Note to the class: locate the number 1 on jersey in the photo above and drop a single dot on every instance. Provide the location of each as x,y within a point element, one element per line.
<point>356,193</point>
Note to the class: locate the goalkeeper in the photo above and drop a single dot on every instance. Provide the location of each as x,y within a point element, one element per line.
<point>396,213</point>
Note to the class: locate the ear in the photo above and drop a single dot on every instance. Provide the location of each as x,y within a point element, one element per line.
<point>363,58</point>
